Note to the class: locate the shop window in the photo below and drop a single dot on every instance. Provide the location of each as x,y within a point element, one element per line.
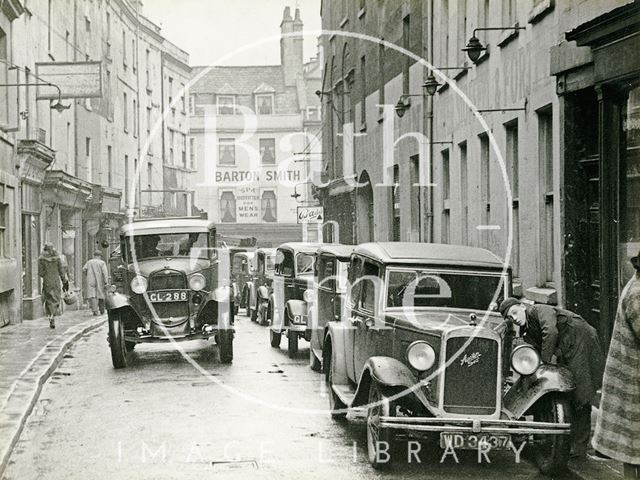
<point>264,104</point>
<point>226,151</point>
<point>268,151</point>
<point>228,207</point>
<point>269,206</point>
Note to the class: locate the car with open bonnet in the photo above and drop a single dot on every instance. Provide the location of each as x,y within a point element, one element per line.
<point>168,287</point>
<point>422,352</point>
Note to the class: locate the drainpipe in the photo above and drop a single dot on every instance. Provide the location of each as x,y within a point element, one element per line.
<point>429,129</point>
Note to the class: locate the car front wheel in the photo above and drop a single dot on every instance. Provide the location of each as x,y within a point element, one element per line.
<point>116,340</point>
<point>552,451</point>
<point>274,338</point>
<point>225,345</point>
<point>380,441</point>
<point>292,343</point>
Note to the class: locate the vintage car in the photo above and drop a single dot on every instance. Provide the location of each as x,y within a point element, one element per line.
<point>420,354</point>
<point>242,268</point>
<point>330,287</point>
<point>169,288</point>
<point>292,289</point>
<point>259,288</point>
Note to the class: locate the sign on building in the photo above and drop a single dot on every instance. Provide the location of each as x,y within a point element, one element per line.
<point>75,79</point>
<point>310,214</point>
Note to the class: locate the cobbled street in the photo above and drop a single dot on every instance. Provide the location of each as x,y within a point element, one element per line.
<point>161,419</point>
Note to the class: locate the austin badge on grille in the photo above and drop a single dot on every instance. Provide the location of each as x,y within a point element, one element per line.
<point>470,360</point>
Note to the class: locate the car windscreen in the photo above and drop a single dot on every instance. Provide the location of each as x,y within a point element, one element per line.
<point>451,289</point>
<point>270,262</point>
<point>190,245</point>
<point>304,263</point>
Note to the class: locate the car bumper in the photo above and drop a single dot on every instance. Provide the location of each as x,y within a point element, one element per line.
<point>296,327</point>
<point>463,425</point>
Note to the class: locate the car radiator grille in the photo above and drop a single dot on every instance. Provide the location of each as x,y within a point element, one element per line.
<point>470,381</point>
<point>167,280</point>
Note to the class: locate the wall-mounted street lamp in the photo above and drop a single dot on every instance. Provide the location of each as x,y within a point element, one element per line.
<point>429,87</point>
<point>58,106</point>
<point>474,46</point>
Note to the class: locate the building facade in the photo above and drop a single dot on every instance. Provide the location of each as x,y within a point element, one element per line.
<point>254,134</point>
<point>516,177</point>
<point>84,169</point>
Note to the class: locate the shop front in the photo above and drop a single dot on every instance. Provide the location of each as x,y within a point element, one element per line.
<point>65,200</point>
<point>34,158</point>
<point>598,79</point>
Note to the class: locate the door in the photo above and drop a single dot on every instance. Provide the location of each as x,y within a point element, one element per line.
<point>363,316</point>
<point>282,282</point>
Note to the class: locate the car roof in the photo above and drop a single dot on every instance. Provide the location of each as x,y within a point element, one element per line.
<point>304,247</point>
<point>343,252</point>
<point>166,225</point>
<point>266,251</point>
<point>429,253</point>
<point>249,254</point>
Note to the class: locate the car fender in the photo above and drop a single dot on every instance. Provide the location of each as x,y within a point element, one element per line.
<point>528,389</point>
<point>338,356</point>
<point>295,307</point>
<point>116,300</point>
<point>387,372</point>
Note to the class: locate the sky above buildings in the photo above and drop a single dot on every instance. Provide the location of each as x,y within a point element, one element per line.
<point>210,29</point>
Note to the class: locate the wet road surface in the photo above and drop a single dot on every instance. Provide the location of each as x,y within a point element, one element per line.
<point>161,418</point>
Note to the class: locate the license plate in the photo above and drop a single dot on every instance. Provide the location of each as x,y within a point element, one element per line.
<point>169,296</point>
<point>473,441</point>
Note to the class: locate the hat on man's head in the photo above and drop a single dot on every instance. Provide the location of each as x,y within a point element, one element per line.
<point>635,261</point>
<point>97,253</point>
<point>506,304</point>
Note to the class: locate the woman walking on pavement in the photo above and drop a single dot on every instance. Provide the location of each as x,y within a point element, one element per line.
<point>54,281</point>
<point>617,432</point>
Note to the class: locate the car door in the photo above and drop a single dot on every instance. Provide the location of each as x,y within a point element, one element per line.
<point>282,284</point>
<point>349,320</point>
<point>363,317</point>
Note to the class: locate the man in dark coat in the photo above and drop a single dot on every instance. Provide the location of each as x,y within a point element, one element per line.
<point>565,335</point>
<point>54,279</point>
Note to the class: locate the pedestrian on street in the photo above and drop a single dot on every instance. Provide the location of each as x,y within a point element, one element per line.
<point>54,281</point>
<point>97,278</point>
<point>617,432</point>
<point>565,335</point>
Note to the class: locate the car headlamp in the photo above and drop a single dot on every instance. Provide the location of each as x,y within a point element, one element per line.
<point>421,355</point>
<point>525,360</point>
<point>308,295</point>
<point>197,282</point>
<point>139,284</point>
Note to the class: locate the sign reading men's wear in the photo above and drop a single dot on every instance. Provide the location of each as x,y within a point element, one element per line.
<point>310,214</point>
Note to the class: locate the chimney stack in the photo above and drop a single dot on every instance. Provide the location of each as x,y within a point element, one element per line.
<point>291,46</point>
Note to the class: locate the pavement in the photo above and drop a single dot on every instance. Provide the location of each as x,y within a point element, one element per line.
<point>30,352</point>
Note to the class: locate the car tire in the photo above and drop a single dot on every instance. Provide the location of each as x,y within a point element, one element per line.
<point>116,340</point>
<point>337,408</point>
<point>379,406</point>
<point>130,346</point>
<point>265,313</point>
<point>314,362</point>
<point>275,338</point>
<point>292,343</point>
<point>225,346</point>
<point>552,452</point>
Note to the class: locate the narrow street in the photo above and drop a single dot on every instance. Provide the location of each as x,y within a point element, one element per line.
<point>161,419</point>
